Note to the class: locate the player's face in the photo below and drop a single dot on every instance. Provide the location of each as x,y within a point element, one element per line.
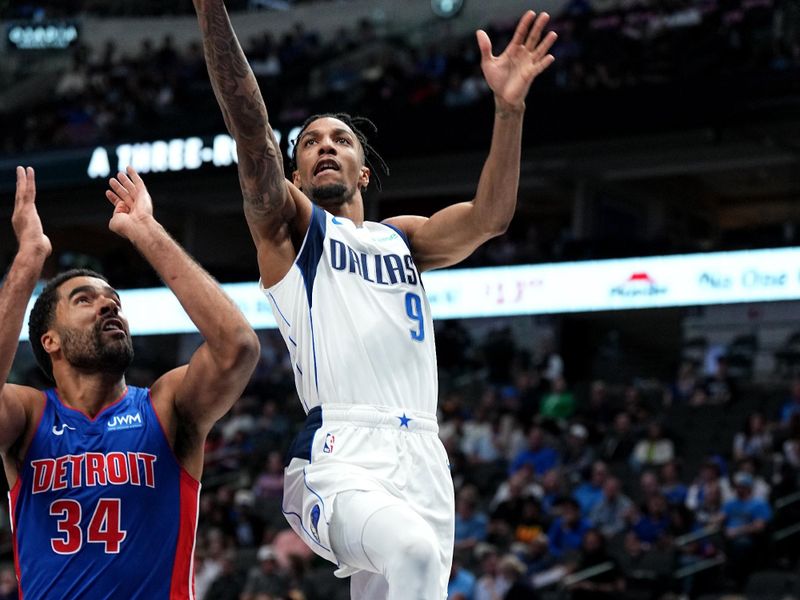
<point>330,163</point>
<point>92,331</point>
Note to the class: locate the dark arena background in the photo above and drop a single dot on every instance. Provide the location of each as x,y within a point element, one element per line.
<point>609,402</point>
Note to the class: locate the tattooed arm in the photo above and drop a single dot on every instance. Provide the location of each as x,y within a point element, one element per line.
<point>275,217</point>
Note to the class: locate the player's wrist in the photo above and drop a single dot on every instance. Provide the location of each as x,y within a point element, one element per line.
<point>33,253</point>
<point>143,230</point>
<point>505,109</point>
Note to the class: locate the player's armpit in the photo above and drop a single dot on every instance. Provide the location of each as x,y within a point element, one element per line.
<point>193,397</point>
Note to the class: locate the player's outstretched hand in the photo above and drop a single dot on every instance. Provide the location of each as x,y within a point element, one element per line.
<point>133,206</point>
<point>510,75</point>
<point>25,218</point>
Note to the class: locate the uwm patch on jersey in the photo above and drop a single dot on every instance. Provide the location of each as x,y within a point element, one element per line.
<point>101,508</point>
<point>129,421</point>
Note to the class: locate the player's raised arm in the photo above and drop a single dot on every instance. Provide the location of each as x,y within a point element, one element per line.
<point>220,369</point>
<point>18,286</point>
<point>268,207</point>
<point>453,233</point>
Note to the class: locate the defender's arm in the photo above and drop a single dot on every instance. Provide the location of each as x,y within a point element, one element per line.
<point>220,368</point>
<point>18,286</point>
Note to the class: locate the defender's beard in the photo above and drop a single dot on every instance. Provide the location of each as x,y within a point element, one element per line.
<point>86,350</point>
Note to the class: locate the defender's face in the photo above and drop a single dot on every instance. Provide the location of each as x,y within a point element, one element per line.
<point>90,328</point>
<point>329,155</point>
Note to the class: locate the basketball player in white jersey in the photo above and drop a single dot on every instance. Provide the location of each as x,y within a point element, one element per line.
<point>368,485</point>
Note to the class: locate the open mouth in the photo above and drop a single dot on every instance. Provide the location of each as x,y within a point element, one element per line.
<point>326,165</point>
<point>113,325</point>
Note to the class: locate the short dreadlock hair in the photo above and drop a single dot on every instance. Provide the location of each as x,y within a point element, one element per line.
<point>44,312</point>
<point>356,124</point>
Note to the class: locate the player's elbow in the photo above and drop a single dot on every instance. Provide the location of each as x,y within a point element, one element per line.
<point>493,228</point>
<point>242,352</point>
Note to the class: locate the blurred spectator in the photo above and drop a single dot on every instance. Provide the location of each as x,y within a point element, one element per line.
<point>761,489</point>
<point>265,578</point>
<point>609,583</point>
<point>8,583</point>
<point>228,584</point>
<point>558,404</point>
<point>589,493</point>
<point>619,443</point>
<point>512,569</point>
<point>718,388</point>
<point>654,522</point>
<point>247,523</point>
<point>540,457</point>
<point>470,523</point>
<point>597,414</point>
<point>530,523</point>
<point>792,405</point>
<point>462,582</point>
<point>566,532</point>
<point>709,513</point>
<point>577,455</point>
<point>240,421</point>
<point>672,487</point>
<point>746,519</point>
<point>791,445</point>
<point>682,390</point>
<point>518,486</point>
<point>549,364</point>
<point>611,513</point>
<point>653,451</point>
<point>553,488</point>
<point>754,440</point>
<point>269,483</point>
<point>708,475</point>
<point>492,584</point>
<point>482,441</point>
<point>208,562</point>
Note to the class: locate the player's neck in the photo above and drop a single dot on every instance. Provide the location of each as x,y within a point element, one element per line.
<point>89,392</point>
<point>352,210</point>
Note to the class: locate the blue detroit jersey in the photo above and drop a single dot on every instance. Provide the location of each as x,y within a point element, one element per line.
<point>102,509</point>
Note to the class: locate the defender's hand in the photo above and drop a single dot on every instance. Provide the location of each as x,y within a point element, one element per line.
<point>25,219</point>
<point>133,206</point>
<point>510,75</point>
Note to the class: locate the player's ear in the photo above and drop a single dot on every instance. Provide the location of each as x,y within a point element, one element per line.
<point>363,179</point>
<point>296,179</point>
<point>51,341</point>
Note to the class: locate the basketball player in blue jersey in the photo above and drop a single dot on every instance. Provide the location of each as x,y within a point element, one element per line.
<point>368,485</point>
<point>104,476</point>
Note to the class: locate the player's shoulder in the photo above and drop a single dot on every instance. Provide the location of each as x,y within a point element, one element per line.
<point>408,224</point>
<point>165,387</point>
<point>32,402</point>
<point>30,398</point>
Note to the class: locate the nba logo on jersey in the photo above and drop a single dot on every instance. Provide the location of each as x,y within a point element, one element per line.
<point>327,448</point>
<point>119,422</point>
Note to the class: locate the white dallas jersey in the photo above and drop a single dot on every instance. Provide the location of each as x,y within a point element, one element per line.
<point>354,316</point>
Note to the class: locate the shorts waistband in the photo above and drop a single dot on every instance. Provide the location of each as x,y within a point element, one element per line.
<point>379,416</point>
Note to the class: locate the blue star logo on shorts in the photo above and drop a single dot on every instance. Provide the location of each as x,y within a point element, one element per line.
<point>315,514</point>
<point>404,420</point>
